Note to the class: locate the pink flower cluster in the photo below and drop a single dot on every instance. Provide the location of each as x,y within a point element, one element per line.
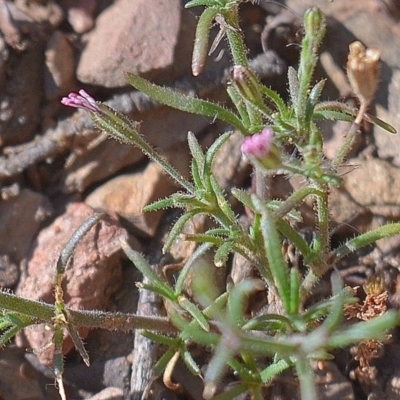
<point>81,100</point>
<point>258,145</point>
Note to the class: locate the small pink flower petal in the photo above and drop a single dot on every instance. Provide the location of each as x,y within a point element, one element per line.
<point>259,144</point>
<point>81,100</point>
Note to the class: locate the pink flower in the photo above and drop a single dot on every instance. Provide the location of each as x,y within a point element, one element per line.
<point>81,100</point>
<point>258,145</point>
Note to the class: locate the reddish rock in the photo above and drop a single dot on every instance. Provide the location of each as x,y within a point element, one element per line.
<point>109,393</point>
<point>60,66</point>
<point>80,14</point>
<point>21,97</point>
<point>382,188</point>
<point>128,37</point>
<point>9,272</point>
<point>47,13</point>
<point>20,219</point>
<point>135,191</point>
<point>91,278</point>
<point>94,159</point>
<point>18,379</point>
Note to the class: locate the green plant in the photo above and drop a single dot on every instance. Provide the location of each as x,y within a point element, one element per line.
<point>256,348</point>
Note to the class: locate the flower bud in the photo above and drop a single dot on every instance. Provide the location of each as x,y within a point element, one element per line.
<point>314,22</point>
<point>247,84</point>
<point>363,70</point>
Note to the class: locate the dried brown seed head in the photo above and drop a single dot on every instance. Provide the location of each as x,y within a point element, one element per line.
<point>363,70</point>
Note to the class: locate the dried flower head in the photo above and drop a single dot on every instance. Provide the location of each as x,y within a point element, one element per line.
<point>363,70</point>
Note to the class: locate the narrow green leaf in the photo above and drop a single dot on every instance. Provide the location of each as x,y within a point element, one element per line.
<point>34,309</point>
<point>183,102</point>
<point>195,171</point>
<point>294,87</point>
<point>200,47</point>
<point>268,345</point>
<point>306,378</point>
<point>336,313</point>
<point>217,365</point>
<point>229,219</point>
<point>275,98</point>
<point>143,266</point>
<point>160,204</point>
<point>294,291</point>
<point>313,98</point>
<point>189,201</point>
<point>176,200</point>
<point>69,248</point>
<point>222,253</point>
<point>275,369</point>
<point>246,368</point>
<point>196,150</point>
<point>240,105</point>
<point>375,328</point>
<point>8,334</point>
<point>378,122</point>
<point>332,115</point>
<point>321,309</point>
<point>206,3</point>
<point>153,288</point>
<point>212,151</point>
<point>202,249</point>
<point>238,298</point>
<point>192,331</point>
<point>162,339</point>
<point>19,320</point>
<point>198,161</point>
<point>364,240</point>
<point>294,200</point>
<point>244,197</point>
<point>328,109</point>
<point>221,232</point>
<point>205,238</point>
<point>232,392</point>
<point>268,322</point>
<point>163,361</point>
<point>190,363</point>
<point>177,229</point>
<point>78,343</point>
<point>273,246</point>
<point>194,311</point>
<point>316,92</point>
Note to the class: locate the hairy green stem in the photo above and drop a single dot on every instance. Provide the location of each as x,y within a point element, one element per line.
<point>123,129</point>
<point>346,146</point>
<point>294,200</point>
<point>44,312</point>
<point>235,38</point>
<point>323,223</point>
<point>314,24</point>
<point>41,311</point>
<point>306,379</point>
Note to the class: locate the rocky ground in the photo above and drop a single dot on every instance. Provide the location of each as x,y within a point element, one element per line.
<point>55,169</point>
